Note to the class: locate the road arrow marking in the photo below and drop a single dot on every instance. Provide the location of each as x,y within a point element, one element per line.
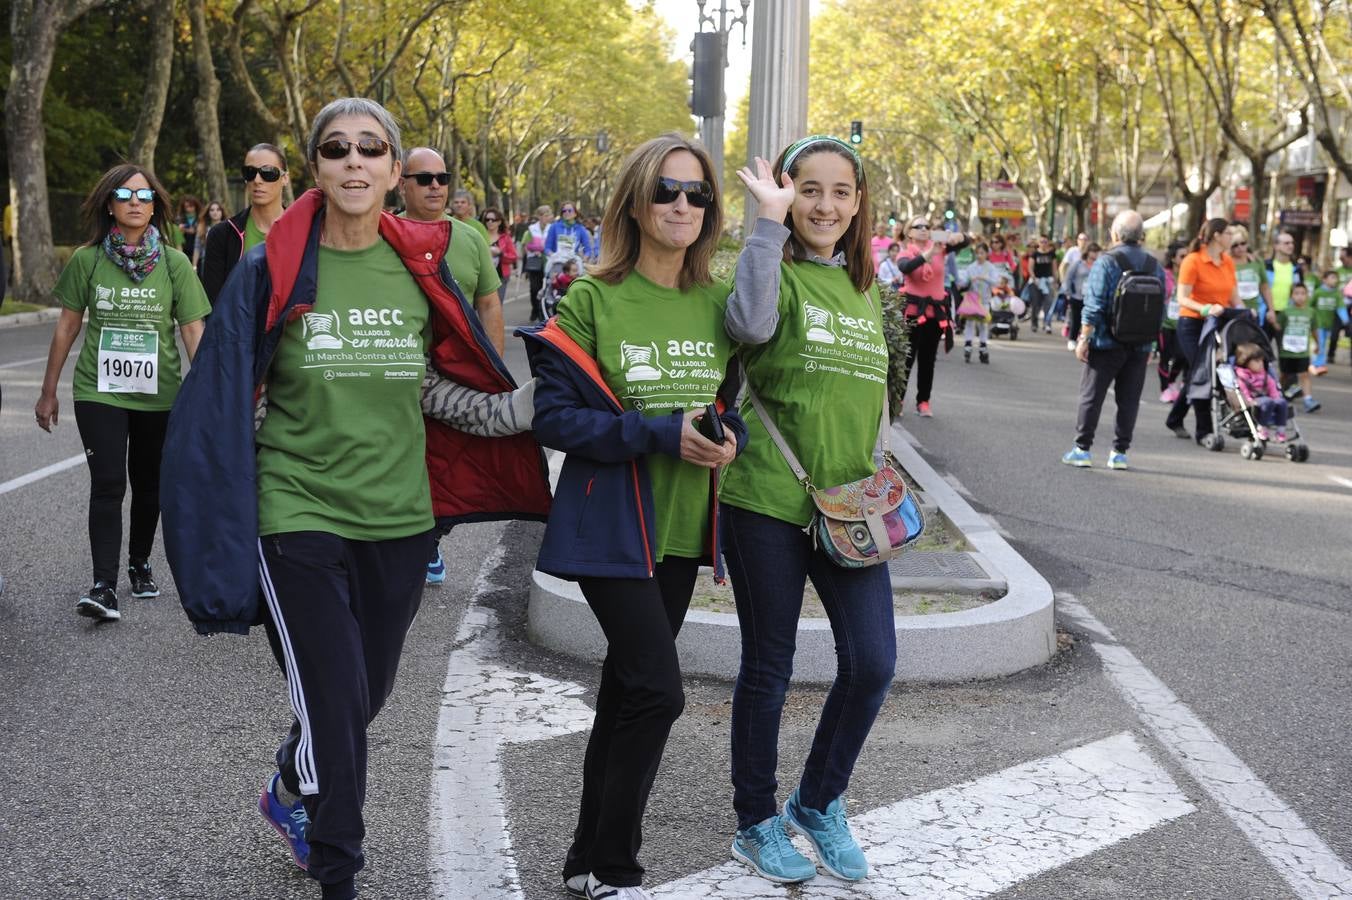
<point>1300,856</point>
<point>484,707</point>
<point>982,837</point>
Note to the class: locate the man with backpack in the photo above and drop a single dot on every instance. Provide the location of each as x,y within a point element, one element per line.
<point>1124,300</point>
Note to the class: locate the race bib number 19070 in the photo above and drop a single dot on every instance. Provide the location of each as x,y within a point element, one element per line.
<point>129,361</point>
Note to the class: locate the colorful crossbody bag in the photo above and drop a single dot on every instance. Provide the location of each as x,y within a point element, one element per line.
<point>860,523</point>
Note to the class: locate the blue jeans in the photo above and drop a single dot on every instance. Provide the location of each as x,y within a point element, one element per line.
<point>770,561</point>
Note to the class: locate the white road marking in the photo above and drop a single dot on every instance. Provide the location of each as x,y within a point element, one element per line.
<point>15,483</point>
<point>1300,856</point>
<point>980,838</point>
<point>1338,479</point>
<point>23,362</point>
<point>483,707</point>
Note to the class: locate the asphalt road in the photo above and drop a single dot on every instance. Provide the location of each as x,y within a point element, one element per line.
<point>134,752</point>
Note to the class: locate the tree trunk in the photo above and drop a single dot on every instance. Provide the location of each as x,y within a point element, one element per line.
<point>1196,212</point>
<point>1257,196</point>
<point>161,51</point>
<point>34,26</point>
<point>205,106</point>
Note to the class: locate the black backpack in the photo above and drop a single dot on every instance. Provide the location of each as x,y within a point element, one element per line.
<point>1138,303</point>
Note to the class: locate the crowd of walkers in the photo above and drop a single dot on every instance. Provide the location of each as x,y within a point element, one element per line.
<point>953,284</point>
<point>278,514</point>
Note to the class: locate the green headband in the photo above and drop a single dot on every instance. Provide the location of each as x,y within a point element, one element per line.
<point>796,149</point>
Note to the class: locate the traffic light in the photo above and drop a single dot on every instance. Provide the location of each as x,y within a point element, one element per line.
<point>949,212</point>
<point>706,75</point>
<point>856,132</point>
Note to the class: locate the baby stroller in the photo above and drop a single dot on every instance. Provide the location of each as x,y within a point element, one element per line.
<point>549,298</point>
<point>1005,311</point>
<point>1229,410</point>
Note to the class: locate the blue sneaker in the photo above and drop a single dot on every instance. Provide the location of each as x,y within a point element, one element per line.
<point>291,822</point>
<point>830,836</point>
<point>765,847</point>
<point>436,570</point>
<point>1118,461</point>
<point>1078,458</point>
<point>1312,405</point>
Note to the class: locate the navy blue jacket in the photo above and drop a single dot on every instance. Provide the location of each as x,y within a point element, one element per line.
<point>601,522</point>
<point>208,488</point>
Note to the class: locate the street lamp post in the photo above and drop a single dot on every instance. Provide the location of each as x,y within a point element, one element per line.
<point>711,127</point>
<point>779,51</point>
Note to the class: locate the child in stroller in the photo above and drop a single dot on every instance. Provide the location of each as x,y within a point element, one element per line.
<point>1245,398</point>
<point>1260,392</point>
<point>1005,308</point>
<point>559,273</point>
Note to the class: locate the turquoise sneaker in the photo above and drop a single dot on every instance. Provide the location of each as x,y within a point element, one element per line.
<point>1118,461</point>
<point>436,570</point>
<point>830,836</point>
<point>1078,458</point>
<point>765,847</point>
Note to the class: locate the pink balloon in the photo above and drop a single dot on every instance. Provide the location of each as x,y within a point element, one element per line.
<point>1016,306</point>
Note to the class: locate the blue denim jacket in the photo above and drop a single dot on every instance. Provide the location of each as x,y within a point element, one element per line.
<point>1100,287</point>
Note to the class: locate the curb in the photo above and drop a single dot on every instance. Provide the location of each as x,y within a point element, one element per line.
<point>1009,635</point>
<point>14,320</point>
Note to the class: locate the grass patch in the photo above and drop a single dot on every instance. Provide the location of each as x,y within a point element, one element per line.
<point>711,597</point>
<point>10,306</point>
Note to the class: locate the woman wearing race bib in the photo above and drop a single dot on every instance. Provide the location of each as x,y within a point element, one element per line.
<point>1171,363</point>
<point>1250,273</point>
<point>627,367</point>
<point>809,316</point>
<point>127,375</point>
<point>1206,288</point>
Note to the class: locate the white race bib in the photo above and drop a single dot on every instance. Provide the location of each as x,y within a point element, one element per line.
<point>129,361</point>
<point>1172,312</point>
<point>1248,290</point>
<point>1296,338</point>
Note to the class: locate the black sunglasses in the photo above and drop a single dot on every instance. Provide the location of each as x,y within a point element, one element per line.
<point>425,179</point>
<point>491,219</point>
<point>267,173</point>
<point>124,195</point>
<point>699,194</point>
<point>915,225</point>
<point>337,148</point>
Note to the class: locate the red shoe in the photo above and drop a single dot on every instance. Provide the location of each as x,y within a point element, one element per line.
<point>923,409</point>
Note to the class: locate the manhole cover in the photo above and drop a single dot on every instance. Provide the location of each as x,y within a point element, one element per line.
<point>936,564</point>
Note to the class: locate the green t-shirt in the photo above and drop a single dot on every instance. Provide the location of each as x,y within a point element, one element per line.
<point>659,350</point>
<point>1296,325</point>
<point>468,258</point>
<point>478,226</point>
<point>342,449</point>
<point>1327,301</point>
<point>253,236</point>
<point>1249,277</point>
<point>821,379</point>
<point>1283,276</point>
<point>130,358</point>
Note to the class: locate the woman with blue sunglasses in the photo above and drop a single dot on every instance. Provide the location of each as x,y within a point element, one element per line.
<point>135,288</point>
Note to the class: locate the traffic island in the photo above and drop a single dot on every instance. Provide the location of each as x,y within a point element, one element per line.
<point>968,606</point>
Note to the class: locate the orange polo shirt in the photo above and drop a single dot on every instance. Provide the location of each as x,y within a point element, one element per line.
<point>1211,282</point>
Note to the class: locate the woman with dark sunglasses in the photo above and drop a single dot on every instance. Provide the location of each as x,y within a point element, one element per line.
<point>500,246</point>
<point>265,178</point>
<point>338,322</point>
<point>135,289</point>
<point>625,372</point>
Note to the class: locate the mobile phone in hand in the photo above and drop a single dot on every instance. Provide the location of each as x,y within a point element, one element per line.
<point>711,426</point>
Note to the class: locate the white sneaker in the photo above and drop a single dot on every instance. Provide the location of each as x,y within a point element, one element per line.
<point>598,891</point>
<point>576,886</point>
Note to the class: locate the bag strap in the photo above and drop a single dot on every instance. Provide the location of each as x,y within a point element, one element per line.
<point>804,479</point>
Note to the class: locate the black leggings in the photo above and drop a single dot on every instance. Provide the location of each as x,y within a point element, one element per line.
<point>922,349</point>
<point>639,699</point>
<point>537,284</point>
<point>121,444</point>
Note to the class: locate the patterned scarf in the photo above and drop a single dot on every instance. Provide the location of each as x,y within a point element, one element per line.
<point>137,261</point>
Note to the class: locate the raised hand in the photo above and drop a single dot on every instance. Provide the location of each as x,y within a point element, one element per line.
<point>773,200</point>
